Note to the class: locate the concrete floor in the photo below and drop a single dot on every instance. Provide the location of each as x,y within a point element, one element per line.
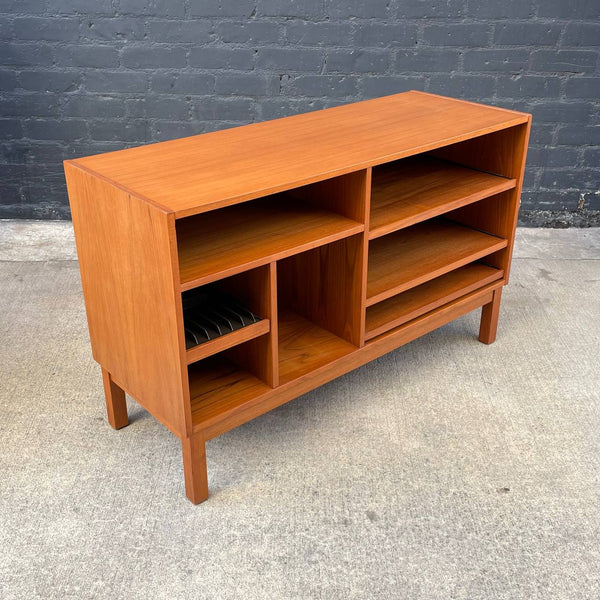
<point>445,469</point>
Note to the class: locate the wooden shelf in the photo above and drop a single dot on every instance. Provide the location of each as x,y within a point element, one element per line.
<point>231,240</point>
<point>404,307</point>
<point>402,260</point>
<point>217,385</point>
<point>416,189</point>
<point>249,332</point>
<point>304,346</point>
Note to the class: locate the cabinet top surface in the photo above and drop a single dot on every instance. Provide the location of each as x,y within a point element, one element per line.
<point>208,171</point>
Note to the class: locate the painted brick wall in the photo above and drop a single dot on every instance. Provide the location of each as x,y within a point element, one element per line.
<point>79,77</point>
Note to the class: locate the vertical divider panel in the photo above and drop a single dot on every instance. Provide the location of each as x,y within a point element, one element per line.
<point>327,285</point>
<point>257,289</point>
<point>365,255</point>
<point>274,335</point>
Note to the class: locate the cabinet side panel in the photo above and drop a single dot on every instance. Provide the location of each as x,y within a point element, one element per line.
<point>127,278</point>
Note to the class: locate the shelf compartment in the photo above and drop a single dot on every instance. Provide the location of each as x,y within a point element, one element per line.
<point>230,240</point>
<point>304,346</point>
<point>227,313</point>
<point>239,336</point>
<point>407,258</point>
<point>218,385</point>
<point>404,307</point>
<point>416,189</point>
<point>325,286</point>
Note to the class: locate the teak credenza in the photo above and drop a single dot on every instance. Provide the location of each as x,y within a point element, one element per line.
<point>347,232</point>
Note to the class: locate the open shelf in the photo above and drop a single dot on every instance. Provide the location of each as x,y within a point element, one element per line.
<point>230,240</point>
<point>227,313</point>
<point>407,258</point>
<point>239,336</point>
<point>415,189</point>
<point>304,346</point>
<point>218,385</point>
<point>404,307</point>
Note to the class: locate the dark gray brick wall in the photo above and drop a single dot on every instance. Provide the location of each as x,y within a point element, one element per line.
<point>79,77</point>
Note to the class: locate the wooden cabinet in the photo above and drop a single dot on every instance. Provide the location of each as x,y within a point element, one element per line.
<point>347,232</point>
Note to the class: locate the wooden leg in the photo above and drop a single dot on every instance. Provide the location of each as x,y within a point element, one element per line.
<point>489,319</point>
<point>194,468</point>
<point>116,407</point>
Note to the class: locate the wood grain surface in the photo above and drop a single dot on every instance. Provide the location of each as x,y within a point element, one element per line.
<point>304,346</point>
<point>123,246</point>
<point>228,340</point>
<point>418,188</point>
<point>502,152</point>
<point>207,171</point>
<point>413,303</point>
<point>410,257</point>
<point>325,286</point>
<point>232,412</point>
<point>216,383</point>
<point>225,242</point>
